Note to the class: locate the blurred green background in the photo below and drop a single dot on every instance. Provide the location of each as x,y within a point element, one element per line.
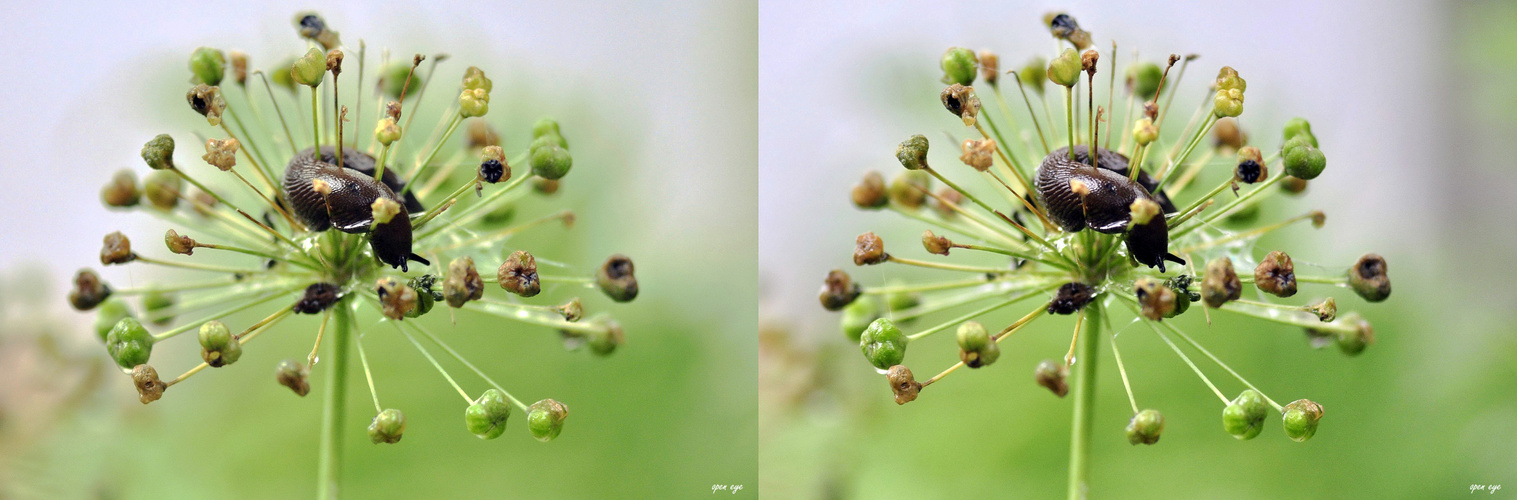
<point>1410,102</point>
<point>657,176</point>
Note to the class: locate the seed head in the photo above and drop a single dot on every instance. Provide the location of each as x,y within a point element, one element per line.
<point>518,274</point>
<point>1300,418</point>
<point>464,284</point>
<point>903,384</point>
<point>959,66</point>
<point>1145,427</point>
<point>883,344</point>
<point>1368,277</point>
<point>149,388</point>
<point>1276,274</point>
<point>868,249</point>
<point>1051,376</point>
<point>545,419</point>
<point>292,374</point>
<point>617,279</point>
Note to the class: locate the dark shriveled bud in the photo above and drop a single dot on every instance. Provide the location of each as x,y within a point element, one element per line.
<point>121,191</point>
<point>318,297</point>
<point>935,244</point>
<point>961,102</point>
<point>518,275</point>
<point>903,384</point>
<point>116,249</point>
<point>869,193</point>
<point>89,291</point>
<point>1221,284</point>
<point>615,277</point>
<point>1051,376</point>
<point>1158,301</point>
<point>1368,277</point>
<point>1250,167</point>
<point>838,290</point>
<point>463,283</point>
<point>149,388</point>
<point>1071,297</point>
<point>1276,274</point>
<point>292,374</point>
<point>868,249</point>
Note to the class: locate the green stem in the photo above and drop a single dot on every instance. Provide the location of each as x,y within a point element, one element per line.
<point>315,123</point>
<point>1085,400</point>
<point>334,405</point>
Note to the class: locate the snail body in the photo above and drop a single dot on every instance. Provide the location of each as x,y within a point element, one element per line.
<point>1105,206</point>
<point>348,207</point>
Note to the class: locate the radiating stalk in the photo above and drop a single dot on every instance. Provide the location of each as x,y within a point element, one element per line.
<point>1085,399</point>
<point>334,404</point>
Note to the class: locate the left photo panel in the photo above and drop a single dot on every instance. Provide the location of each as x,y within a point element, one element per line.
<point>379,250</point>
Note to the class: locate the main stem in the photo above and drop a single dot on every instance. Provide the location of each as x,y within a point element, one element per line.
<point>334,404</point>
<point>1085,399</point>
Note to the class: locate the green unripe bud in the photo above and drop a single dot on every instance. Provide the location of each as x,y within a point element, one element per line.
<point>1145,427</point>
<point>857,317</point>
<point>217,345</point>
<point>486,418</point>
<point>900,301</point>
<point>129,343</point>
<point>883,344</point>
<point>1300,418</point>
<point>1227,102</point>
<point>159,152</point>
<point>208,65</point>
<point>604,341</point>
<point>551,162</point>
<point>1065,69</point>
<point>111,312</point>
<point>1244,416</point>
<point>1360,335</point>
<point>976,348</point>
<point>1370,278</point>
<point>546,419</point>
<point>913,152</point>
<point>162,189</point>
<point>549,140</point>
<point>545,126</point>
<point>1143,80</point>
<point>156,301</point>
<point>1299,127</point>
<point>959,66</point>
<point>1302,159</point>
<point>121,191</point>
<point>392,80</point>
<point>281,75</point>
<point>386,131</point>
<point>909,189</point>
<point>473,102</point>
<point>474,78</point>
<point>1034,74</point>
<point>310,69</point>
<point>388,427</point>
<point>1144,131</point>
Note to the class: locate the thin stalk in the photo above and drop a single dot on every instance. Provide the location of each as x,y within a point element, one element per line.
<point>1085,400</point>
<point>1032,113</point>
<point>287,135</point>
<point>334,402</point>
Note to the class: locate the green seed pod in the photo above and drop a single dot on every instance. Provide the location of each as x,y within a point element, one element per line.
<point>208,65</point>
<point>292,374</point>
<point>1145,427</point>
<point>162,189</point>
<point>1244,416</point>
<point>89,291</point>
<point>310,69</point>
<point>280,75</point>
<point>217,345</point>
<point>883,344</point>
<point>1299,127</point>
<point>1352,342</point>
<point>546,419</point>
<point>426,295</point>
<point>909,189</point>
<point>1303,160</point>
<point>900,301</point>
<point>392,80</point>
<point>129,343</point>
<point>903,384</point>
<point>474,78</point>
<point>473,102</point>
<point>604,341</point>
<point>156,301</point>
<point>121,191</point>
<point>149,388</point>
<point>838,290</point>
<point>1144,131</point>
<point>388,427</point>
<point>976,348</point>
<point>386,131</point>
<point>551,162</point>
<point>1143,80</point>
<point>1244,215</point>
<point>913,152</point>
<point>1221,284</point>
<point>1065,69</point>
<point>1300,418</point>
<point>857,317</point>
<point>615,277</point>
<point>1033,74</point>
<point>111,312</point>
<point>159,152</point>
<point>959,66</point>
<point>545,127</point>
<point>1227,102</point>
<point>869,193</point>
<point>486,418</point>
<point>1368,277</point>
<point>1051,376</point>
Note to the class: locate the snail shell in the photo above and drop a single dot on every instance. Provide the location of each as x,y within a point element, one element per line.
<point>1107,206</point>
<point>348,207</point>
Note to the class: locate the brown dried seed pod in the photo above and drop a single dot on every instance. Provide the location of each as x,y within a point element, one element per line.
<point>936,244</point>
<point>1276,274</point>
<point>183,245</point>
<point>292,374</point>
<point>869,193</point>
<point>1051,376</point>
<point>617,278</point>
<point>1221,284</point>
<point>838,290</point>
<point>463,283</point>
<point>903,384</point>
<point>395,298</point>
<point>122,190</point>
<point>978,154</point>
<point>116,249</point>
<point>946,199</point>
<point>88,290</point>
<point>207,101</point>
<point>1227,133</point>
<point>1071,297</point>
<point>572,310</point>
<point>221,153</point>
<point>962,102</point>
<point>1368,277</point>
<point>318,297</point>
<point>869,249</point>
<point>149,388</point>
<point>989,67</point>
<point>1158,301</point>
<point>518,274</point>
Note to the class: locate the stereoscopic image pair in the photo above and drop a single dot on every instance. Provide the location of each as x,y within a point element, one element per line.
<point>649,269</point>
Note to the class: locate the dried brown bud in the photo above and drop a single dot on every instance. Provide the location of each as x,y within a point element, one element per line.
<point>1158,301</point>
<point>1151,110</point>
<point>545,186</point>
<point>1251,166</point>
<point>318,297</point>
<point>1228,134</point>
<point>936,244</point>
<point>395,298</point>
<point>1088,61</point>
<point>1318,218</point>
<point>240,67</point>
<point>962,102</point>
<point>463,283</point>
<point>207,101</point>
<point>292,374</point>
<point>1221,284</point>
<point>979,154</point>
<point>481,134</point>
<point>117,249</point>
<point>1326,310</point>
<point>869,249</point>
<point>572,310</point>
<point>122,190</point>
<point>1293,185</point>
<point>221,153</point>
<point>334,61</point>
<point>838,290</point>
<point>617,279</point>
<point>518,274</point>
<point>392,110</point>
<point>946,199</point>
<point>149,388</point>
<point>89,291</point>
<point>1051,375</point>
<point>1276,274</point>
<point>179,244</point>
<point>869,193</point>
<point>1369,278</point>
<point>989,67</point>
<point>1071,297</point>
<point>903,384</point>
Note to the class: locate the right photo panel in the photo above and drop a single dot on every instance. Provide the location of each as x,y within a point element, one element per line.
<point>1136,250</point>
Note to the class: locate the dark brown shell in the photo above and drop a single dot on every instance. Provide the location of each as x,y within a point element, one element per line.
<point>349,206</point>
<point>1107,208</point>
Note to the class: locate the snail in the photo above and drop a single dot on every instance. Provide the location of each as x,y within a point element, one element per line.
<point>1106,207</point>
<point>348,207</point>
